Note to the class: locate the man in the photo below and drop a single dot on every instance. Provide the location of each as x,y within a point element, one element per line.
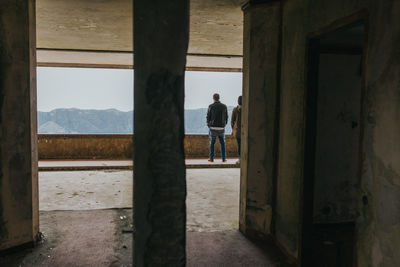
<point>217,118</point>
<point>236,123</point>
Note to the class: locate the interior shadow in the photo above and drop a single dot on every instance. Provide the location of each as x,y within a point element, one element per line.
<point>332,147</point>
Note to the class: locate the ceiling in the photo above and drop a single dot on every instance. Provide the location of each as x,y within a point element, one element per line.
<point>90,33</point>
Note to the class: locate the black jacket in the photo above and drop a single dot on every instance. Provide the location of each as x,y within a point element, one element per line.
<point>217,115</point>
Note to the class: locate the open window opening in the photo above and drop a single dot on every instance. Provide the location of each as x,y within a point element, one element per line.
<point>85,123</point>
<point>333,147</point>
<point>212,187</point>
<point>85,127</point>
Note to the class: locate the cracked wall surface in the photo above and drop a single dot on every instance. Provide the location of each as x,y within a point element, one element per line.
<point>378,222</point>
<point>160,182</point>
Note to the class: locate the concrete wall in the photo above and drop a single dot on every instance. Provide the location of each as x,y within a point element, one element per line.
<point>379,202</point>
<point>19,214</point>
<point>259,116</point>
<point>85,146</point>
<point>114,146</point>
<point>378,224</point>
<point>161,37</point>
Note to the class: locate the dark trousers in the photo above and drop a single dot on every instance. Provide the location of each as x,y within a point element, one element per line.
<point>238,140</point>
<point>213,134</point>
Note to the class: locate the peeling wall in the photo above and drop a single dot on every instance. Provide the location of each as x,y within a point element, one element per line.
<point>378,223</point>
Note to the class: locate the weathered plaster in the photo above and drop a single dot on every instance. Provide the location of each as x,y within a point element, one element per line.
<point>378,224</point>
<point>291,126</point>
<point>259,130</point>
<point>159,184</point>
<point>18,180</point>
<point>379,231</point>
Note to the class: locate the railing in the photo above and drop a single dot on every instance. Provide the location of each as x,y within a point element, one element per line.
<point>115,146</point>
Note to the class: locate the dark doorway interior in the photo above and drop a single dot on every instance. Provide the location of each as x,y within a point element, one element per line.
<point>332,147</point>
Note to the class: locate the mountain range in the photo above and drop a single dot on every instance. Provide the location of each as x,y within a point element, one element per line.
<point>110,121</point>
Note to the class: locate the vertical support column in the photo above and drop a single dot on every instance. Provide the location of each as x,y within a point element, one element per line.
<point>261,63</point>
<point>19,215</point>
<point>161,30</point>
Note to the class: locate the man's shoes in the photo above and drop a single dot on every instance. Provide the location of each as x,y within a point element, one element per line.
<point>224,160</point>
<point>210,160</point>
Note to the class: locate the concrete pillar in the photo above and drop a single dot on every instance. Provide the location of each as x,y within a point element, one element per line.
<point>161,30</point>
<point>19,215</point>
<point>261,56</point>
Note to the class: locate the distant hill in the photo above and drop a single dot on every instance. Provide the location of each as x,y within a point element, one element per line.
<point>51,127</point>
<point>110,121</point>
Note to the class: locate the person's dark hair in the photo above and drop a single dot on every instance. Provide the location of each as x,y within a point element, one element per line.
<point>216,97</point>
<point>240,100</point>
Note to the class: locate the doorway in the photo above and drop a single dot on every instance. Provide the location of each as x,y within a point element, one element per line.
<point>333,146</point>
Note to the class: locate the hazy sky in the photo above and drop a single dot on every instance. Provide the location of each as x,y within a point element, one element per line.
<point>112,88</point>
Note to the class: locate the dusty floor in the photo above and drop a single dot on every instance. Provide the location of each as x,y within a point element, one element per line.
<point>70,165</point>
<point>79,238</point>
<point>212,201</point>
<point>231,248</point>
<point>85,190</point>
<point>212,198</point>
<point>86,221</point>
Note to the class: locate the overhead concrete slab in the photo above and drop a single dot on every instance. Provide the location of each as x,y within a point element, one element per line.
<point>216,26</point>
<point>84,25</point>
<point>125,60</point>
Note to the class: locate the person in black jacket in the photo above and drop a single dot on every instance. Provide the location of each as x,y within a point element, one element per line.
<point>217,118</point>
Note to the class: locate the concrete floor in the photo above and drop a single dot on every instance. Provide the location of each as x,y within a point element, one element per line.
<point>86,219</point>
<point>212,201</point>
<point>78,238</point>
<point>231,248</point>
<point>85,190</point>
<point>84,165</point>
<point>212,198</point>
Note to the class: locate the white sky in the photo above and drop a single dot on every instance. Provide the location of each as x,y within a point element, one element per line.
<point>112,88</point>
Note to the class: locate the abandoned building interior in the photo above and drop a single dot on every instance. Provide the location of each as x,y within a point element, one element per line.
<point>319,177</point>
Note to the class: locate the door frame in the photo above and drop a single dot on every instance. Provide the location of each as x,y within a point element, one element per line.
<point>310,124</point>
